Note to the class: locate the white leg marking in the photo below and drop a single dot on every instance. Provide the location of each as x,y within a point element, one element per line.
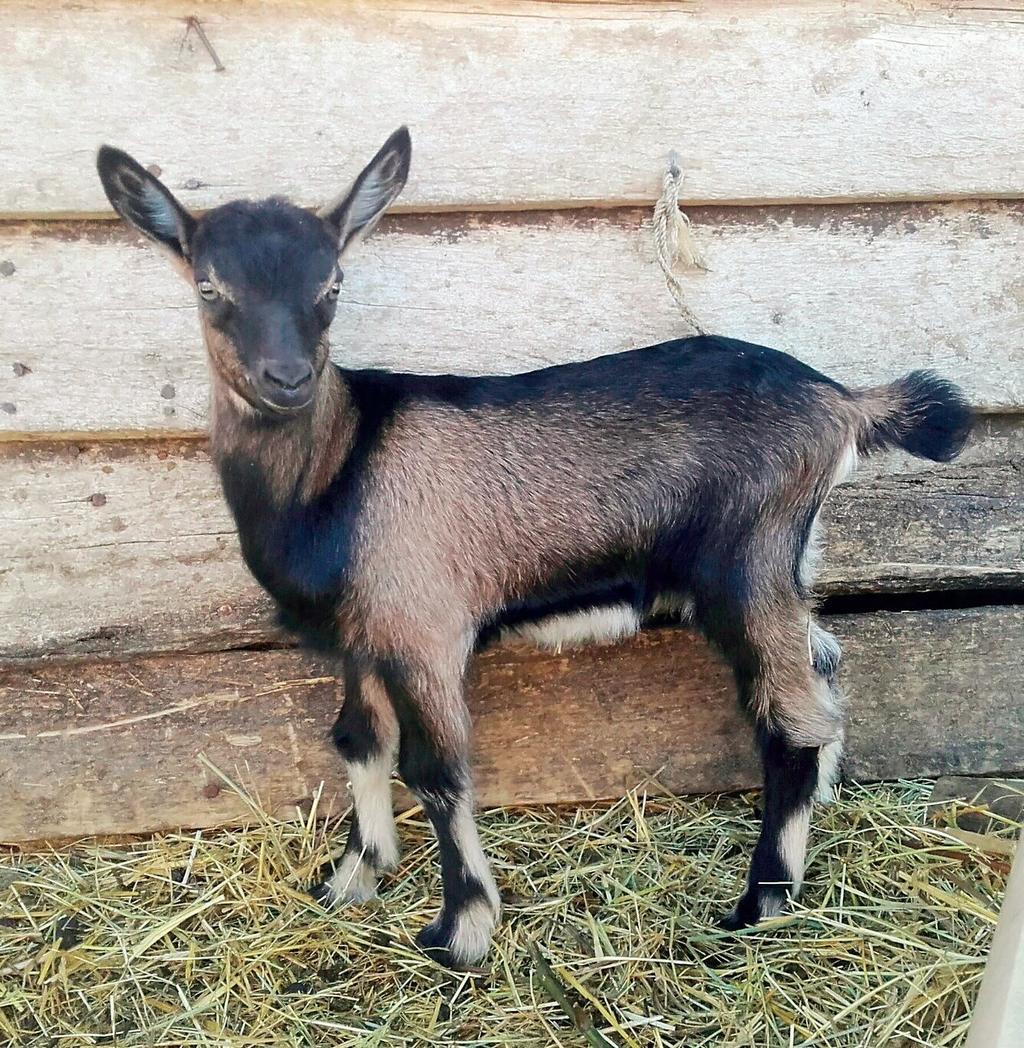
<point>371,795</point>
<point>352,883</point>
<point>474,928</point>
<point>467,840</point>
<point>595,625</point>
<point>793,852</point>
<point>829,758</point>
<point>769,906</point>
<point>831,754</point>
<point>355,879</point>
<point>474,924</point>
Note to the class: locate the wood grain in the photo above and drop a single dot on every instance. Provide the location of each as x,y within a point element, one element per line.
<point>516,104</point>
<point>99,335</point>
<point>114,747</point>
<point>127,548</point>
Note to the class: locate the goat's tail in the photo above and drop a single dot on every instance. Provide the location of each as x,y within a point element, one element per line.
<point>921,413</point>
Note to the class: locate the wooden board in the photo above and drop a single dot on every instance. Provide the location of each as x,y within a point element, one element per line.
<point>111,549</point>
<point>120,548</point>
<point>980,804</point>
<point>519,103</point>
<point>100,335</point>
<point>114,747</point>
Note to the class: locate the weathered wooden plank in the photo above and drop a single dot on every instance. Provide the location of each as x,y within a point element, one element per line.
<point>99,334</point>
<point>111,549</point>
<point>114,747</point>
<point>120,548</point>
<point>982,804</point>
<point>518,103</point>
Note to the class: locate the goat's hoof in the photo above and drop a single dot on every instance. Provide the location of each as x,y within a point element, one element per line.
<point>321,893</point>
<point>351,884</point>
<point>745,914</point>
<point>434,941</point>
<point>754,907</point>
<point>733,921</point>
<point>461,940</point>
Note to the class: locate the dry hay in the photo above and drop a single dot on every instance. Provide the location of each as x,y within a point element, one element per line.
<point>608,936</point>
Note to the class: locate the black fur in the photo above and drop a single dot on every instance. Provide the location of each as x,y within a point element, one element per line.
<point>274,257</point>
<point>566,596</point>
<point>934,422</point>
<point>459,887</point>
<point>722,518</point>
<point>355,736</point>
<point>440,783</point>
<point>354,733</point>
<point>678,371</point>
<point>128,184</point>
<point>423,767</point>
<point>790,776</point>
<point>300,553</point>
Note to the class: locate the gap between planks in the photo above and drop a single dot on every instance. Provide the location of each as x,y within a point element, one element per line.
<point>545,207</point>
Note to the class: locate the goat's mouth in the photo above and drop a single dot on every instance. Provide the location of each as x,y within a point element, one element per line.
<point>283,398</point>
<point>290,408</point>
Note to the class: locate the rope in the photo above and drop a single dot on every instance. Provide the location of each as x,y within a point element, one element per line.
<point>674,242</point>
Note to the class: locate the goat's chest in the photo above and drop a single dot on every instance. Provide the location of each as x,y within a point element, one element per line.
<point>299,553</point>
<point>306,573</point>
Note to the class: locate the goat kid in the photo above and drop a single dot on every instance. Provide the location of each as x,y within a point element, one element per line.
<point>398,518</point>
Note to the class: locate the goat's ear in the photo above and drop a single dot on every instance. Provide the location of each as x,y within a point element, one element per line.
<point>354,214</point>
<point>144,202</point>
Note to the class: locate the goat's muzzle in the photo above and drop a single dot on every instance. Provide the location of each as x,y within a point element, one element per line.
<point>284,385</point>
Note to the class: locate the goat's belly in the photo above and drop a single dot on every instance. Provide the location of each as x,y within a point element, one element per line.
<point>576,628</point>
<point>604,624</point>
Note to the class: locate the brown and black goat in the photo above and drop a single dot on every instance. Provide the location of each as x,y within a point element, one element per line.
<point>397,518</point>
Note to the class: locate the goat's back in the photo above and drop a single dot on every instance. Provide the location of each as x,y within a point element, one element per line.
<point>588,470</point>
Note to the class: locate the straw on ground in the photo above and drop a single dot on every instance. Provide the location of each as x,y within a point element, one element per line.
<point>608,938</point>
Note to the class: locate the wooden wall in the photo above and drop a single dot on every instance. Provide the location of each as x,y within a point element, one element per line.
<point>853,175</point>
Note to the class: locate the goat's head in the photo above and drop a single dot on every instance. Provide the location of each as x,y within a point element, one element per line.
<point>267,274</point>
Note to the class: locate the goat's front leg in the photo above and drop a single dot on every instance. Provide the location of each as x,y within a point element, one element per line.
<point>366,734</point>
<point>434,763</point>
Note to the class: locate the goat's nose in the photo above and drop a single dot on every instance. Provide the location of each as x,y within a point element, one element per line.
<point>287,375</point>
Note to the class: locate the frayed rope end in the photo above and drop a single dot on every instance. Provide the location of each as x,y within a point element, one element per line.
<point>674,241</point>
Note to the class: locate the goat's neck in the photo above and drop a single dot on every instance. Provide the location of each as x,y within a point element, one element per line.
<point>295,458</point>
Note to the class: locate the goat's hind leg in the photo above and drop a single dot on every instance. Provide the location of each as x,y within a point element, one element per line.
<point>826,654</point>
<point>796,719</point>
<point>366,734</point>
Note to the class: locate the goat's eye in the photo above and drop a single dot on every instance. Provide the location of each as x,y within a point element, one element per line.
<point>206,290</point>
<point>329,292</point>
